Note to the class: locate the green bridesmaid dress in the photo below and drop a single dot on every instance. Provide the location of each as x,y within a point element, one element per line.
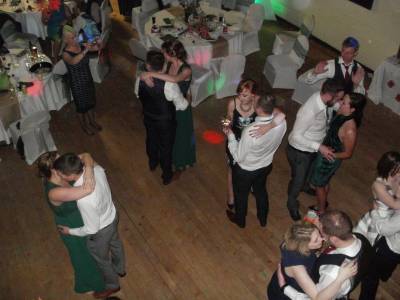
<point>87,274</point>
<point>323,169</point>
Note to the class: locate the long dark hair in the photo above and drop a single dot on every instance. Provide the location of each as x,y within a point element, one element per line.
<point>388,164</point>
<point>45,164</point>
<point>358,102</point>
<point>175,48</point>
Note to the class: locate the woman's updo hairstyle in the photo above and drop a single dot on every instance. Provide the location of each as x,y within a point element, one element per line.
<point>175,49</point>
<point>45,164</point>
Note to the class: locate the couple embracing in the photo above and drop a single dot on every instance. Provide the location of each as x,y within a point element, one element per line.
<point>87,220</point>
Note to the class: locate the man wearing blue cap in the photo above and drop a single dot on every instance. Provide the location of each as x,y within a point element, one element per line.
<point>343,68</point>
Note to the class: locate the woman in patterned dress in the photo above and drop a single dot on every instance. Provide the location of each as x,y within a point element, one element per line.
<point>81,81</point>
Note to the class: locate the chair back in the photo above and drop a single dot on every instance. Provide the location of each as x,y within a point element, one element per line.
<point>104,37</point>
<point>138,49</point>
<point>140,23</point>
<point>60,68</point>
<point>300,49</point>
<point>230,74</point>
<point>149,5</point>
<point>8,30</point>
<point>255,16</point>
<point>34,120</point>
<point>105,11</point>
<point>308,25</point>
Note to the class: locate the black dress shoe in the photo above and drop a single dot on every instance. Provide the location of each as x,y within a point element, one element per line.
<point>231,216</point>
<point>309,190</point>
<point>263,223</point>
<point>152,167</point>
<point>122,274</point>
<point>230,206</point>
<point>294,214</point>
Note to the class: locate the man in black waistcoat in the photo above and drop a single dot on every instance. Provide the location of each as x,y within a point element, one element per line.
<point>343,68</point>
<point>159,101</point>
<point>336,227</point>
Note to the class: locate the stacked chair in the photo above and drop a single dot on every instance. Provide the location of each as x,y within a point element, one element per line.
<point>15,39</point>
<point>35,134</point>
<point>281,70</point>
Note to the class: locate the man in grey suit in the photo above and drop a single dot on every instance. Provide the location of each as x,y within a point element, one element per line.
<point>100,220</point>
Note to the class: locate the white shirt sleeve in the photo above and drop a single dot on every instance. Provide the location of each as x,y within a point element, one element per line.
<point>173,93</point>
<point>300,127</point>
<point>312,78</point>
<point>360,87</point>
<point>91,219</point>
<point>293,294</point>
<point>238,149</point>
<point>388,227</point>
<point>137,82</point>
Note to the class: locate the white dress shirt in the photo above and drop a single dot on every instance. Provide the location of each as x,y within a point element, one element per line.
<point>97,209</point>
<point>254,153</point>
<point>312,78</point>
<point>172,93</point>
<point>390,229</point>
<point>310,126</point>
<point>328,274</point>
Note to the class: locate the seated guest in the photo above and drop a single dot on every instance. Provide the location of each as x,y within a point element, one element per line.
<point>160,103</point>
<point>93,10</point>
<point>253,156</point>
<point>341,137</point>
<point>336,228</point>
<point>342,68</point>
<point>298,255</point>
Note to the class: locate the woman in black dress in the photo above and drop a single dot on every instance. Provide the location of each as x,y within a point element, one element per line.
<point>80,78</point>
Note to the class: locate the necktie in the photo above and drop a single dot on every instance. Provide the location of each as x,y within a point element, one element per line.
<point>346,73</point>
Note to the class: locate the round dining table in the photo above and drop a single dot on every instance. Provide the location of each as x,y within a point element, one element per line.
<point>200,51</point>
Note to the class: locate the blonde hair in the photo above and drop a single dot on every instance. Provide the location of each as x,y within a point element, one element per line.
<point>45,164</point>
<point>298,237</point>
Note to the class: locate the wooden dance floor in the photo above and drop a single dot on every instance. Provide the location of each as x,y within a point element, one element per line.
<point>178,241</point>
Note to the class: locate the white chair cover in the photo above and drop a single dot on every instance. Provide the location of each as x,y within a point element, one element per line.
<point>253,23</point>
<point>35,133</point>
<point>140,22</point>
<point>149,5</point>
<point>284,41</point>
<point>303,91</point>
<point>229,75</point>
<point>60,68</point>
<point>105,11</point>
<point>280,70</point>
<point>138,49</point>
<point>202,85</point>
<point>15,39</point>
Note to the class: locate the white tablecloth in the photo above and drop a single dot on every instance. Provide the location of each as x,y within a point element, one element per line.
<point>31,21</point>
<point>199,51</point>
<point>385,85</point>
<point>45,94</point>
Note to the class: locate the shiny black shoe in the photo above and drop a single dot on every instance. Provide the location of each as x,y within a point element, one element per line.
<point>230,206</point>
<point>263,223</point>
<point>232,218</point>
<point>153,166</point>
<point>295,214</point>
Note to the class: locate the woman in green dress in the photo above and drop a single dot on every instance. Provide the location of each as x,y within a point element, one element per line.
<point>179,71</point>
<point>341,137</point>
<point>61,197</point>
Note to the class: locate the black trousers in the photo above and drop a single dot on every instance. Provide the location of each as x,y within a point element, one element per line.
<point>381,268</point>
<point>160,137</point>
<point>300,163</point>
<point>242,182</point>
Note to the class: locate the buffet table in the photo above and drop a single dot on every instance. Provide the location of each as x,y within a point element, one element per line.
<point>200,51</point>
<point>385,85</point>
<point>30,92</point>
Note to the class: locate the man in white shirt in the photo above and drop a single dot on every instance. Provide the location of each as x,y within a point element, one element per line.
<point>253,158</point>
<point>387,256</point>
<point>306,139</point>
<point>336,227</point>
<point>343,68</point>
<point>160,101</point>
<point>100,220</point>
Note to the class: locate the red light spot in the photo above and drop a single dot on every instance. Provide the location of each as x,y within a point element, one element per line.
<point>213,137</point>
<point>35,89</point>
